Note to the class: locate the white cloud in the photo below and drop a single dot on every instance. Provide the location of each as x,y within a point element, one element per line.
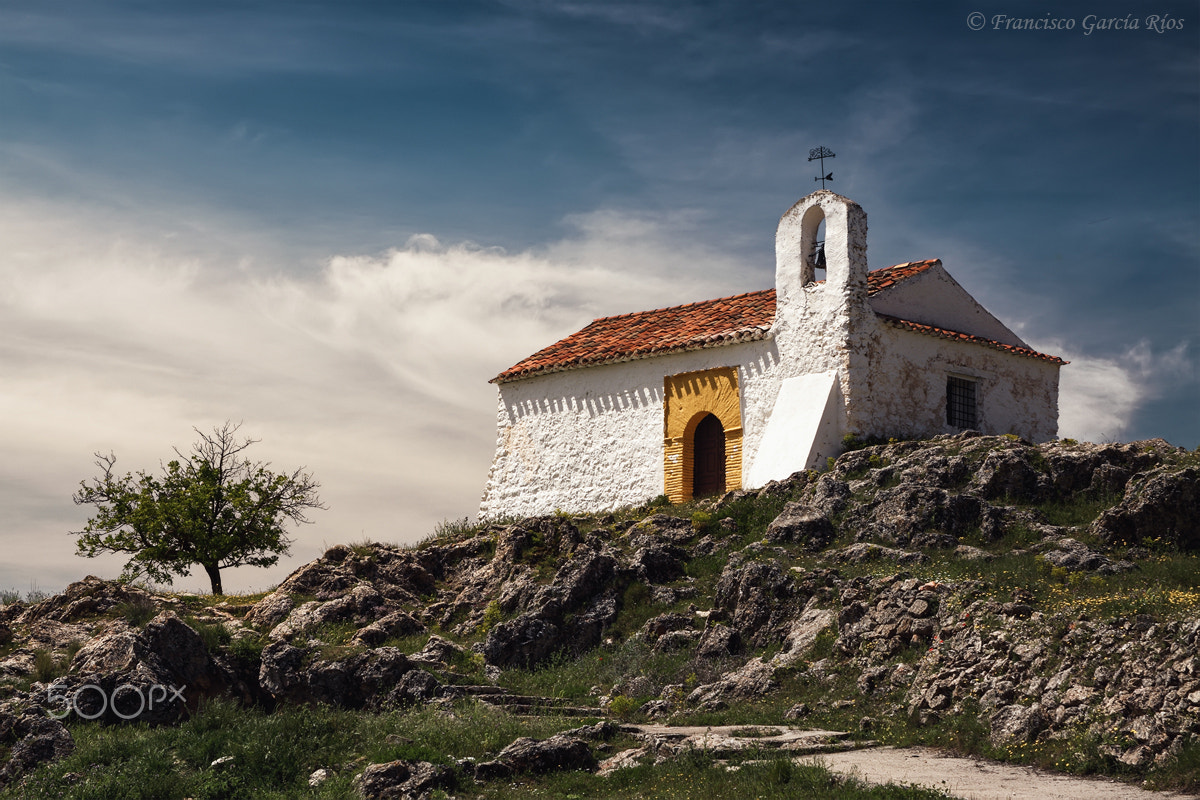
<point>1099,396</point>
<point>373,373</point>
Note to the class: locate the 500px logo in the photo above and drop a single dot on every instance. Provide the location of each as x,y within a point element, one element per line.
<point>121,700</point>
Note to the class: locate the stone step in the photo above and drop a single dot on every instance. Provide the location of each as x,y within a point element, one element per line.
<point>479,689</point>
<point>546,711</point>
<point>724,741</point>
<point>524,704</point>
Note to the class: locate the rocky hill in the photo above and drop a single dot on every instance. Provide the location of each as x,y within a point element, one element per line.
<point>1032,602</point>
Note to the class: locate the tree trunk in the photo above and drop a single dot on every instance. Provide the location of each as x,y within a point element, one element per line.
<point>214,575</point>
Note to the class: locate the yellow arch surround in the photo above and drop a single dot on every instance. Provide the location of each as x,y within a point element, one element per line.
<point>688,397</point>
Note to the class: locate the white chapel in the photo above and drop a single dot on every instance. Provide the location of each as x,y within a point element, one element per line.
<point>732,393</point>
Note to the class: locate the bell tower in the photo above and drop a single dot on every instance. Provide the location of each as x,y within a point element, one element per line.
<point>844,250</point>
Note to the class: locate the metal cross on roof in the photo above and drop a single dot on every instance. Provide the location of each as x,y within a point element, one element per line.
<point>821,153</point>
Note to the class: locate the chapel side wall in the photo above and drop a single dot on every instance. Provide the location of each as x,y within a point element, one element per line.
<point>592,439</point>
<point>906,391</point>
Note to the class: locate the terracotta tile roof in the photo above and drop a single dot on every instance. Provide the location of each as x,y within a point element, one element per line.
<point>880,279</point>
<point>740,318</point>
<point>942,333</point>
<point>710,323</point>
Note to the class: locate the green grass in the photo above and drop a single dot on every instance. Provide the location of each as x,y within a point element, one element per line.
<point>1078,510</point>
<point>47,666</point>
<point>764,776</point>
<point>573,677</point>
<point>1180,774</point>
<point>274,754</point>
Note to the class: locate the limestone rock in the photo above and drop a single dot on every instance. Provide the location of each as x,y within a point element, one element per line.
<point>664,623</point>
<point>525,641</point>
<point>1164,505</point>
<point>164,656</point>
<point>88,597</point>
<point>271,610</point>
<point>438,652</point>
<point>801,523</point>
<point>718,641</point>
<point>559,752</point>
<point>1017,723</point>
<point>753,679</point>
<point>865,551</point>
<point>32,739</point>
<point>758,598</point>
<point>400,780</point>
<point>361,680</point>
<point>416,687</point>
<point>395,624</point>
<point>658,563</point>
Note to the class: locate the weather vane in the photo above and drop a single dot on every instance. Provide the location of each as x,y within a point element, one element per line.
<point>821,153</point>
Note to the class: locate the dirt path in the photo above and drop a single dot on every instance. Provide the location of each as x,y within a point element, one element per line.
<point>977,779</point>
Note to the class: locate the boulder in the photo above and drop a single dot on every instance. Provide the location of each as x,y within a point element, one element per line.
<point>438,652</point>
<point>401,780</point>
<point>271,610</point>
<point>559,752</point>
<point>1017,724</point>
<point>865,551</point>
<point>752,679</point>
<point>395,624</point>
<point>759,598</point>
<point>1164,506</point>
<point>362,605</point>
<point>658,563</point>
<point>664,623</point>
<point>31,739</point>
<point>718,641</point>
<point>89,597</point>
<point>525,641</point>
<point>416,687</point>
<point>673,530</point>
<point>361,680</point>
<point>157,675</point>
<point>1009,474</point>
<point>801,523</point>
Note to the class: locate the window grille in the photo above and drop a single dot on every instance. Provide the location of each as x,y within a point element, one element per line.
<point>960,402</point>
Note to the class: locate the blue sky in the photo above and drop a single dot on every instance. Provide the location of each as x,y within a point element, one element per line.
<point>336,221</point>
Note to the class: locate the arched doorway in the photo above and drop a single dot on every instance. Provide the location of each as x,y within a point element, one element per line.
<point>708,457</point>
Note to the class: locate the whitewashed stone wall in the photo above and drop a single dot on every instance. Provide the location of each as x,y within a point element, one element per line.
<point>592,439</point>
<point>907,388</point>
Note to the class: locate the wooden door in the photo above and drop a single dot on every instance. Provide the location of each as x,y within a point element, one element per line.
<point>708,458</point>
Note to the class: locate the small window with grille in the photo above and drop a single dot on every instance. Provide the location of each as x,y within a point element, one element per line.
<point>960,402</point>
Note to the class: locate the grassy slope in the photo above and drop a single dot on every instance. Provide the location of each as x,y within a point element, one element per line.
<point>274,754</point>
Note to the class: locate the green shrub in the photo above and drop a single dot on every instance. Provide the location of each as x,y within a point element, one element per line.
<point>214,635</point>
<point>492,615</point>
<point>46,667</point>
<point>623,707</point>
<point>137,611</point>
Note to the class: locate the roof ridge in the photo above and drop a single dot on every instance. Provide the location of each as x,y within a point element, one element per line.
<point>688,326</point>
<point>947,333</point>
<point>927,262</point>
<point>693,304</point>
